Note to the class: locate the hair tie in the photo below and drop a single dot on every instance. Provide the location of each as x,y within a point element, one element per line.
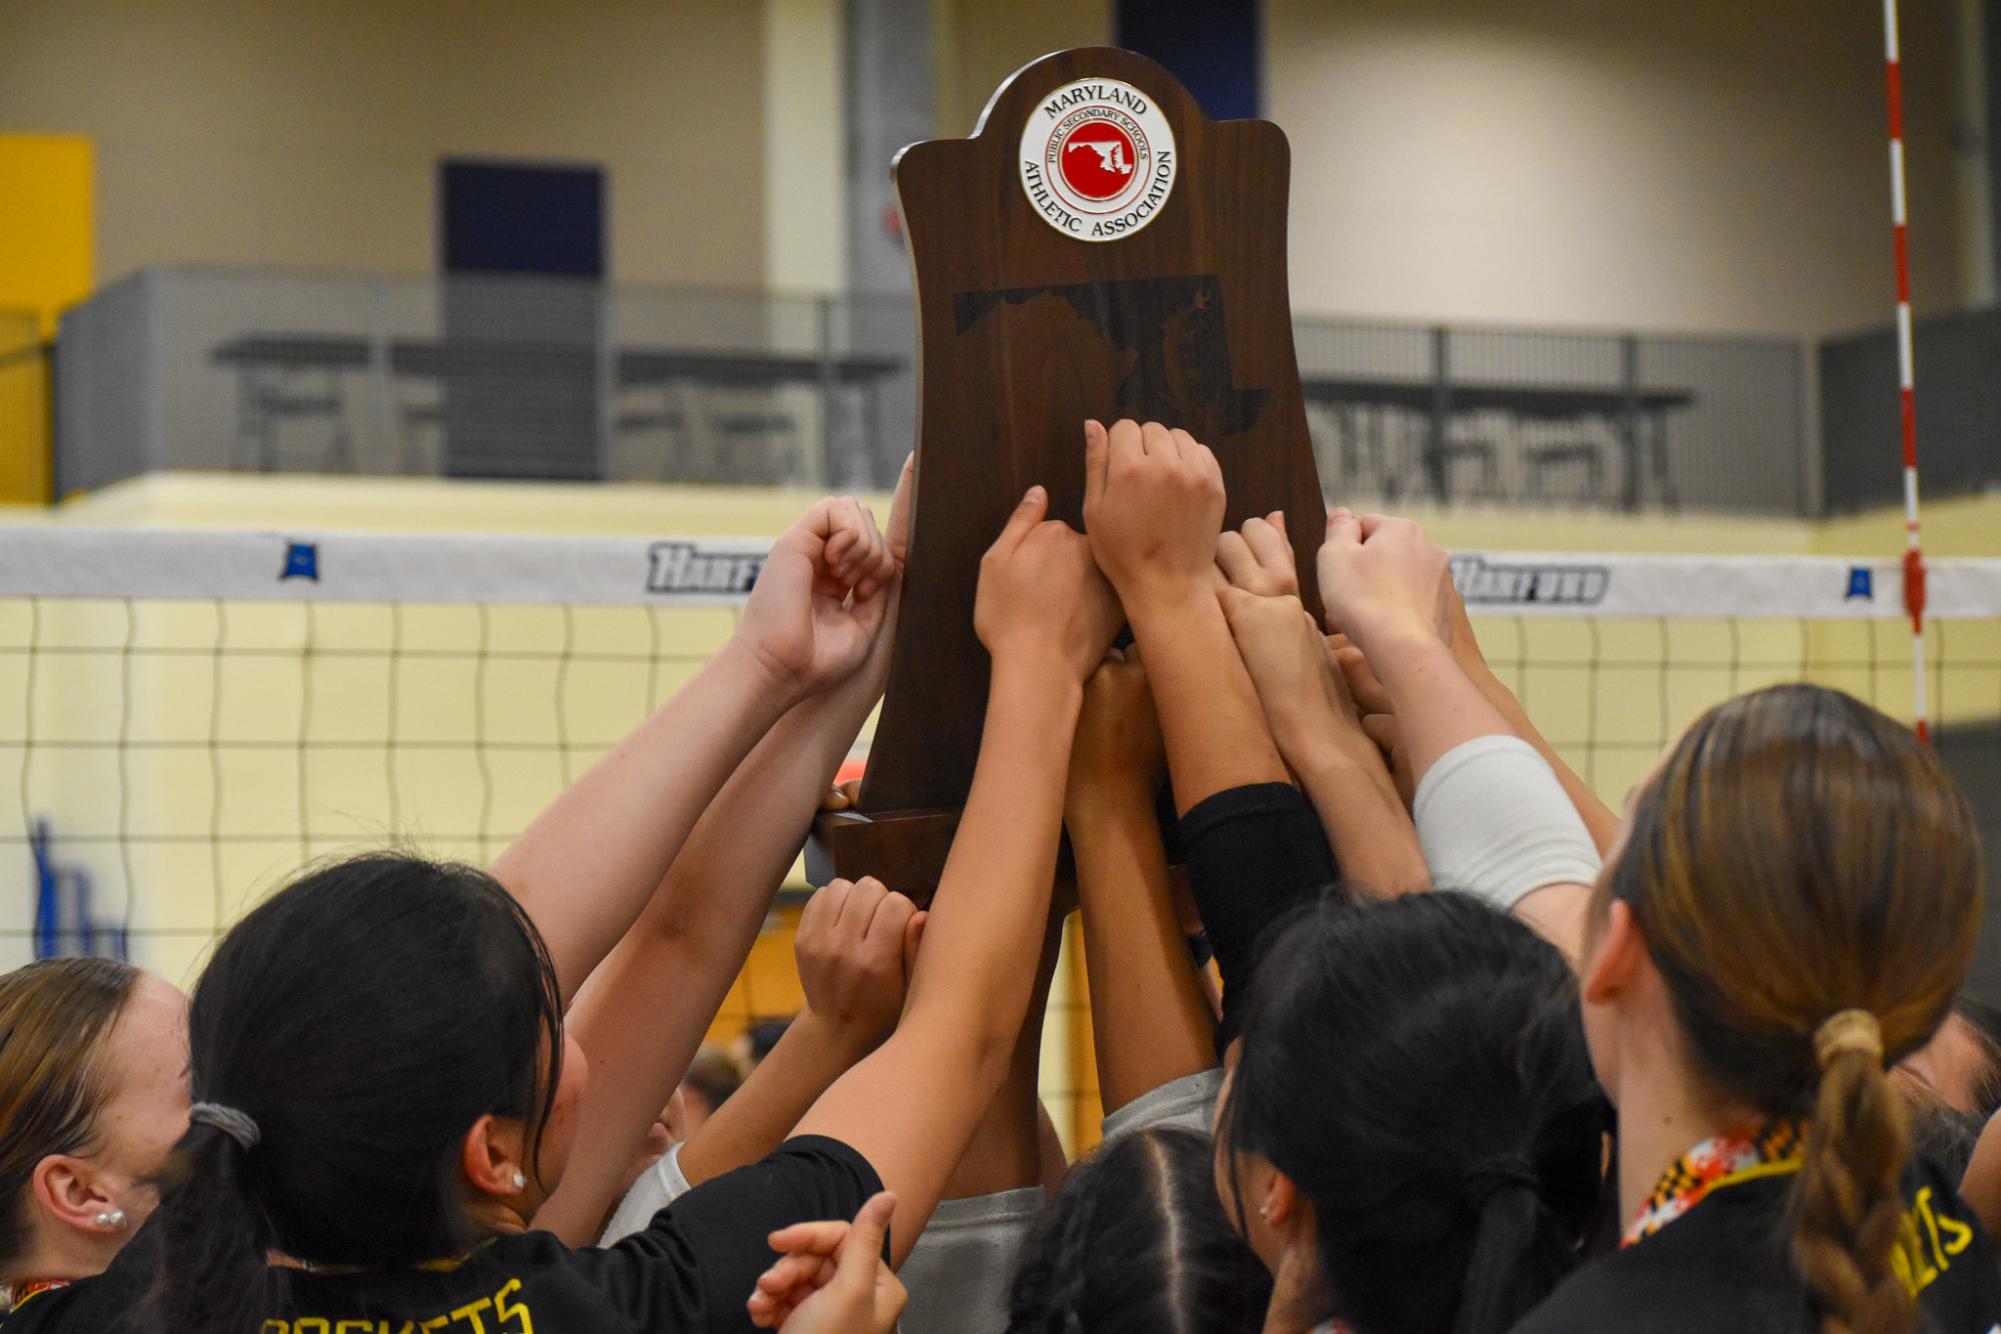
<point>1496,1174</point>
<point>237,1125</point>
<point>1849,1030</point>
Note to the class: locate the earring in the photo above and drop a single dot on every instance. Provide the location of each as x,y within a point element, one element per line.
<point>110,1218</point>
<point>520,1181</point>
<point>1264,1212</point>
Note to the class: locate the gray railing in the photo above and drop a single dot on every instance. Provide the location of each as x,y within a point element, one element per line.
<point>512,377</point>
<point>1958,410</point>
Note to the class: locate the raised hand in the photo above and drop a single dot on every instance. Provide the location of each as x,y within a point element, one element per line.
<point>1383,579</point>
<point>855,948</point>
<point>821,597</point>
<point>830,1278</point>
<point>1118,743</point>
<point>1041,597</point>
<point>1258,559</point>
<point>1312,715</point>
<point>1153,506</point>
<point>1298,680</point>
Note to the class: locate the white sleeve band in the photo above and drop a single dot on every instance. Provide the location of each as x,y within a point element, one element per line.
<point>657,1187</point>
<point>1494,821</point>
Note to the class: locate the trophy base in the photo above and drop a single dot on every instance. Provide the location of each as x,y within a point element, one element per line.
<point>905,850</point>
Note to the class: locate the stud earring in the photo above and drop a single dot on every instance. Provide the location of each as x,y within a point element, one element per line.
<point>111,1218</point>
<point>1264,1212</point>
<point>520,1181</point>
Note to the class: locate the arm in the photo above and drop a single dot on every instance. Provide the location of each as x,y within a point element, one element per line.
<point>1486,808</point>
<point>1367,689</point>
<point>910,1107</point>
<point>1006,1151</point>
<point>1153,504</point>
<point>615,831</point>
<point>854,946</point>
<point>642,1014</point>
<point>1150,1023</point>
<point>1313,719</point>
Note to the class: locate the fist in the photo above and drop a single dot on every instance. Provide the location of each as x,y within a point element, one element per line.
<point>856,945</point>
<point>1153,505</point>
<point>1041,596</point>
<point>1118,735</point>
<point>1382,579</point>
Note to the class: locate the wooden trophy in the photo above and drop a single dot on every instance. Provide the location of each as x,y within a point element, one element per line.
<point>1099,248</point>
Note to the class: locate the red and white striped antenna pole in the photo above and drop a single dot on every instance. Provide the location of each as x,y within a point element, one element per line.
<point>1914,559</point>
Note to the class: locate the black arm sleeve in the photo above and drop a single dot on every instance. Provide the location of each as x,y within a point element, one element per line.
<point>1253,854</point>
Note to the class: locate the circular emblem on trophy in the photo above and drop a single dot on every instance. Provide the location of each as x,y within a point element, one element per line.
<point>1098,160</point>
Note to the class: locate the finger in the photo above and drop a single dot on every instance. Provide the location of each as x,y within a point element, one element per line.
<point>860,908</point>
<point>835,553</point>
<point>861,1253</point>
<point>1267,543</point>
<point>1382,729</point>
<point>835,799</point>
<point>1363,683</point>
<point>913,940</point>
<point>1343,528</point>
<point>861,553</point>
<point>810,1239</point>
<point>789,1273</point>
<point>824,909</point>
<point>1237,605</point>
<point>885,560</point>
<point>1277,520</point>
<point>884,939</point>
<point>1097,459</point>
<point>1185,444</point>
<point>890,1299</point>
<point>1034,505</point>
<point>1127,445</point>
<point>898,531</point>
<point>1235,558</point>
<point>1158,441</point>
<point>1199,457</point>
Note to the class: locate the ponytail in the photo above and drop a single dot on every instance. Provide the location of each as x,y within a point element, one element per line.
<point>1799,855</point>
<point>1850,1204</point>
<point>213,1242</point>
<point>1520,1250</point>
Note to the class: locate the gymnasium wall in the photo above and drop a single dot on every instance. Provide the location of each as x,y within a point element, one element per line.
<point>308,133</point>
<point>977,44</point>
<point>1704,166</point>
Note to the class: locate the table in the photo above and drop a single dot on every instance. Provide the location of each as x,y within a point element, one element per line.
<point>1637,416</point>
<point>282,375</point>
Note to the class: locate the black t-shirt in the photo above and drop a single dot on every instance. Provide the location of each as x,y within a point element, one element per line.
<point>691,1270</point>
<point>1253,855</point>
<point>1725,1267</point>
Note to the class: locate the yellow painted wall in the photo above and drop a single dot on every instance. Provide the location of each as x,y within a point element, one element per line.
<point>46,258</point>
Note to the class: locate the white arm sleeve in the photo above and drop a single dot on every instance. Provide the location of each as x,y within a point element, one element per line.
<point>1494,821</point>
<point>657,1187</point>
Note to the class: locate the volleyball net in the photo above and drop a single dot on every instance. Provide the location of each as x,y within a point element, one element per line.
<point>188,717</point>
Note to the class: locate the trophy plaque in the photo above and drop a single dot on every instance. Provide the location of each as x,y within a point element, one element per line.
<point>1099,248</point>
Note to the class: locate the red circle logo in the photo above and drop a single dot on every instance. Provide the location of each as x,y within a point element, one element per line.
<point>1098,159</point>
